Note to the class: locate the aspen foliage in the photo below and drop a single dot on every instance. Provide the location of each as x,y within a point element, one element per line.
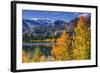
<point>81,44</point>
<point>25,57</point>
<point>43,58</point>
<point>59,50</point>
<point>36,55</point>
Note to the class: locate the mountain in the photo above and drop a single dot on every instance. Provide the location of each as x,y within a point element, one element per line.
<point>59,23</point>
<point>71,25</point>
<point>34,28</point>
<point>29,24</point>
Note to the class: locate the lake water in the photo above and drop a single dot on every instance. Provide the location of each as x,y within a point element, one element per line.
<point>44,48</point>
<point>39,43</point>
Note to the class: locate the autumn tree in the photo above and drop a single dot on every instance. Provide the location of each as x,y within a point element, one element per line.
<point>42,58</point>
<point>81,40</point>
<point>25,57</point>
<point>60,49</point>
<point>36,55</point>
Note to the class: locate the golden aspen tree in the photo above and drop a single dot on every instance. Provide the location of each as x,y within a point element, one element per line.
<point>42,58</point>
<point>59,50</point>
<point>51,58</point>
<point>36,55</point>
<point>81,43</point>
<point>25,57</point>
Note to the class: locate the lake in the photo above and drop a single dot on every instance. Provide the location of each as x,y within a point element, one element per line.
<point>38,43</point>
<point>44,48</point>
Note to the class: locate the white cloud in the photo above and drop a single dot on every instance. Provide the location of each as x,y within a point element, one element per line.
<point>86,15</point>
